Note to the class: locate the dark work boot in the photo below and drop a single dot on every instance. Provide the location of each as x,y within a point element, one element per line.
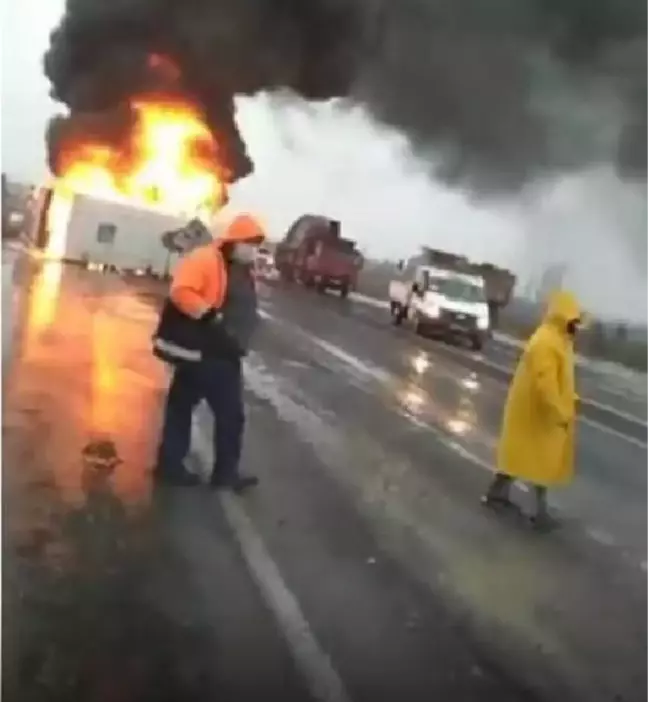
<point>541,519</point>
<point>499,491</point>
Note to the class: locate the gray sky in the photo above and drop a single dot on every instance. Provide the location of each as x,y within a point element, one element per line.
<point>338,162</point>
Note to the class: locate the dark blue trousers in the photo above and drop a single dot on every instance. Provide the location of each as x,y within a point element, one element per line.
<point>220,383</point>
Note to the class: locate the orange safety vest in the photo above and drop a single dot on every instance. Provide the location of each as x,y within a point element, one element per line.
<point>199,284</point>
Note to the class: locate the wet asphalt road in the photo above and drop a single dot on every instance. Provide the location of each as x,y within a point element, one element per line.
<point>612,395</point>
<point>362,569</point>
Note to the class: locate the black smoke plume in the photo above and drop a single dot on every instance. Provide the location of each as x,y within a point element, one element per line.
<point>496,92</point>
<point>106,51</point>
<point>460,77</point>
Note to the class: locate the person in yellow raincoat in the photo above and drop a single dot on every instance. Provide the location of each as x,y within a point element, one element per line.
<point>536,443</point>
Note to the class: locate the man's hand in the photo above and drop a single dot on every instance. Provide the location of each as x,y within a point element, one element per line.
<point>212,316</point>
<point>220,333</point>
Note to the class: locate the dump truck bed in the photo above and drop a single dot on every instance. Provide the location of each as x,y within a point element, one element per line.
<point>499,282</point>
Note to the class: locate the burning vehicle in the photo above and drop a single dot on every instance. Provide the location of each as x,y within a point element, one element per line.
<point>110,204</point>
<point>149,134</point>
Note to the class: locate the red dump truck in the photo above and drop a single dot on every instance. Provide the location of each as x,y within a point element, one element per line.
<point>314,254</point>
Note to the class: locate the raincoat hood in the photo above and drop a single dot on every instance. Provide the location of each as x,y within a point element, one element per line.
<point>242,229</point>
<point>562,308</point>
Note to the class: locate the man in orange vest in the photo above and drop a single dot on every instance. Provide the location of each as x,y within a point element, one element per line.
<point>204,332</point>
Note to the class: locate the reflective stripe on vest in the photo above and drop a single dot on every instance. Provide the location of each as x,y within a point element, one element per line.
<point>175,352</point>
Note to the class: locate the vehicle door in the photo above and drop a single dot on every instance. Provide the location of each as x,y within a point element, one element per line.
<point>418,289</point>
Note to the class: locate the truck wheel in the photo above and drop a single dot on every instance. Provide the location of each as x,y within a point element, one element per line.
<point>309,282</point>
<point>420,327</point>
<point>476,343</point>
<point>344,291</point>
<point>321,287</point>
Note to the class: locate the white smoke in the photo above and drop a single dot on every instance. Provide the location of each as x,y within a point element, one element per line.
<point>595,225</point>
<point>329,160</point>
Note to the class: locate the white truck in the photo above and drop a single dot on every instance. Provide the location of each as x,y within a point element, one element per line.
<point>107,235</point>
<point>442,302</point>
<point>445,293</point>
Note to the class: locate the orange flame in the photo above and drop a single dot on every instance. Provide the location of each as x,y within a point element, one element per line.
<point>171,162</point>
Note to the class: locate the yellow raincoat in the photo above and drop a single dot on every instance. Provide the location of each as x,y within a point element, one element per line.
<point>537,438</point>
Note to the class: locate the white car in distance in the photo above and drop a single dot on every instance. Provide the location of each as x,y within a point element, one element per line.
<point>264,265</point>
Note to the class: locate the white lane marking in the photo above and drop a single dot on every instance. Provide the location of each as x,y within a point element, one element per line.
<point>601,368</point>
<point>506,340</point>
<point>586,420</point>
<point>372,301</point>
<point>358,364</point>
<point>324,682</point>
<point>382,375</point>
<point>613,432</point>
<point>613,410</point>
<point>586,400</point>
<point>601,537</point>
<point>458,448</point>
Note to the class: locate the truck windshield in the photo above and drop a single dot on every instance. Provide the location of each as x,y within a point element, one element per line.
<point>458,290</point>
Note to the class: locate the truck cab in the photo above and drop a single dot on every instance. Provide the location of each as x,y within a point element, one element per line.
<point>315,254</point>
<point>442,302</point>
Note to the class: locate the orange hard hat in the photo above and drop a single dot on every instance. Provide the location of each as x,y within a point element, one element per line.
<point>242,228</point>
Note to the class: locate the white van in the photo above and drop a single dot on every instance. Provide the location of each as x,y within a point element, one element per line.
<point>442,302</point>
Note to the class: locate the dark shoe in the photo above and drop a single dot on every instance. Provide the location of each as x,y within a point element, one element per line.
<point>238,485</point>
<point>176,479</point>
